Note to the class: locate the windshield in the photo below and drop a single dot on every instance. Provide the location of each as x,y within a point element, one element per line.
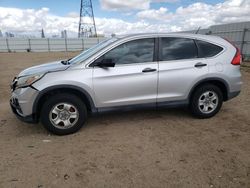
<point>91,51</point>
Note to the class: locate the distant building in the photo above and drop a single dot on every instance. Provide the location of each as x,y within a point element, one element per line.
<point>64,34</point>
<point>8,34</point>
<point>100,35</point>
<point>55,36</point>
<point>42,34</point>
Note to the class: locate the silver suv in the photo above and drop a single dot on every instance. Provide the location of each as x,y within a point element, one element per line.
<point>135,71</point>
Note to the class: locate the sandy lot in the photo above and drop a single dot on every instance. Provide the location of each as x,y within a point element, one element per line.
<point>164,148</point>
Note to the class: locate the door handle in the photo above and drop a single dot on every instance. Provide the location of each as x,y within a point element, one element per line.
<point>148,70</point>
<point>200,64</point>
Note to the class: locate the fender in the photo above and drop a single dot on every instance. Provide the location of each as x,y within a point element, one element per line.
<point>63,86</point>
<point>207,80</point>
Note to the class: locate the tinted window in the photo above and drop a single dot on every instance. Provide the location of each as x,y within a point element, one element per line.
<point>137,51</point>
<point>177,48</point>
<point>207,49</point>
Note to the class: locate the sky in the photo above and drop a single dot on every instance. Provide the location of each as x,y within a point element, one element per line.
<point>119,16</point>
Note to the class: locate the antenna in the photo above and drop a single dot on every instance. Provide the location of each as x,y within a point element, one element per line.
<point>87,27</point>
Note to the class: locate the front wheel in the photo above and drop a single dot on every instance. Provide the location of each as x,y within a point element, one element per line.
<point>63,114</point>
<point>206,101</point>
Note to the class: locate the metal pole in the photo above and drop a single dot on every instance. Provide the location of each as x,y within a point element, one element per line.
<point>82,44</point>
<point>7,44</point>
<point>29,44</point>
<point>79,27</point>
<point>66,46</point>
<point>243,40</point>
<point>48,45</point>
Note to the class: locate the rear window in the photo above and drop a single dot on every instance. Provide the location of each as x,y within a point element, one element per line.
<point>173,48</point>
<point>207,49</point>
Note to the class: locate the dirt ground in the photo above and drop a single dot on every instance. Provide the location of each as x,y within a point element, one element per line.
<point>164,148</point>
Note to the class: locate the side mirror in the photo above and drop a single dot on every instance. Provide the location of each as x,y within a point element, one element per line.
<point>105,63</point>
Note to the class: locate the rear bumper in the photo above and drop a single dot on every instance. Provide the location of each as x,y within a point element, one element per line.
<point>233,94</point>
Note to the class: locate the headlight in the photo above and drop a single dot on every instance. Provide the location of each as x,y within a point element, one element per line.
<point>28,80</point>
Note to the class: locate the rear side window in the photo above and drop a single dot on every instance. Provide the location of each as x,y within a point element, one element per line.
<point>207,49</point>
<point>173,48</point>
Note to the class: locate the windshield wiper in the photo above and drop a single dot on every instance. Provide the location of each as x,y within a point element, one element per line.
<point>66,62</point>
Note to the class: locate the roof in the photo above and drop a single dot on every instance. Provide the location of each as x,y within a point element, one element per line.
<point>189,35</point>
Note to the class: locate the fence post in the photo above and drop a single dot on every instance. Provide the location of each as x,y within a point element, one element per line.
<point>66,46</point>
<point>82,44</point>
<point>7,44</point>
<point>243,40</point>
<point>48,45</point>
<point>29,45</point>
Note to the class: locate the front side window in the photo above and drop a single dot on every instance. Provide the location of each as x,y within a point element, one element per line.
<point>173,48</point>
<point>136,51</point>
<point>91,51</point>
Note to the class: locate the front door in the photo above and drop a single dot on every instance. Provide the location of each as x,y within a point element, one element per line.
<point>133,80</point>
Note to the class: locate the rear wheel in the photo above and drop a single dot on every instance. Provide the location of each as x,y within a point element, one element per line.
<point>206,101</point>
<point>63,114</point>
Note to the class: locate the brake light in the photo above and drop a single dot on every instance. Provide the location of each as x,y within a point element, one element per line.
<point>237,58</point>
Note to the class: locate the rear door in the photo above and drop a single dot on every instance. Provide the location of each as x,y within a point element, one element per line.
<point>179,68</point>
<point>133,80</point>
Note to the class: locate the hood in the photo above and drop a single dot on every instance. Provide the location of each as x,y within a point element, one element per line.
<point>44,68</point>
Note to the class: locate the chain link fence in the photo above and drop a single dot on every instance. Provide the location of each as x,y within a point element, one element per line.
<point>238,33</point>
<point>46,44</point>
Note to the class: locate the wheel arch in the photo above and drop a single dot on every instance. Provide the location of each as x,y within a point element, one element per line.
<point>81,93</point>
<point>220,83</point>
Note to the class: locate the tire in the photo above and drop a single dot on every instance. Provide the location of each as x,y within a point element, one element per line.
<point>63,114</point>
<point>206,101</point>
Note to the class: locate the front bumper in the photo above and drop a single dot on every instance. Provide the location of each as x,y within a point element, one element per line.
<point>27,119</point>
<point>21,103</point>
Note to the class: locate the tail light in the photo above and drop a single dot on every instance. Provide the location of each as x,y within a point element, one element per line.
<point>237,57</point>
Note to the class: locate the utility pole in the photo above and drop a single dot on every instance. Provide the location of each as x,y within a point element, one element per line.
<point>87,27</point>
